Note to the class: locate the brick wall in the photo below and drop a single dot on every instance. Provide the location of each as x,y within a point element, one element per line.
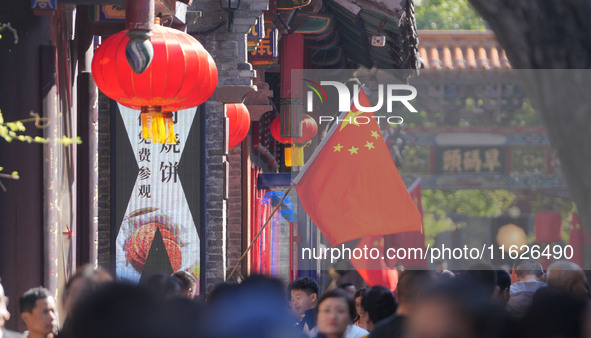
<point>215,202</point>
<point>234,235</point>
<point>104,183</point>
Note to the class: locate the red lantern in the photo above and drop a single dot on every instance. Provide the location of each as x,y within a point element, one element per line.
<point>182,75</point>
<point>548,226</point>
<point>239,118</point>
<point>309,130</point>
<point>294,156</point>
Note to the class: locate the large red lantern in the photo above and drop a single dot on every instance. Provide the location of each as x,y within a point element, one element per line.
<point>182,75</point>
<point>309,130</point>
<point>548,226</point>
<point>239,119</point>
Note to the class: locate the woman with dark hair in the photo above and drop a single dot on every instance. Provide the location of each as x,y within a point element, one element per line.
<point>358,297</point>
<point>336,311</point>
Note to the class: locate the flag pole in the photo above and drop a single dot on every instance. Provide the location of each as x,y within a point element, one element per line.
<point>260,232</point>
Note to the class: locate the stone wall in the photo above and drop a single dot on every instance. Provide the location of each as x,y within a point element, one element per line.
<point>223,214</point>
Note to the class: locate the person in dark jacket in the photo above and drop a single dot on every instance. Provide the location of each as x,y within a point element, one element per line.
<point>411,284</point>
<point>304,298</point>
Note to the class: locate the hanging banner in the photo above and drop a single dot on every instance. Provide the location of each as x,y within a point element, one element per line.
<point>267,47</point>
<point>156,199</point>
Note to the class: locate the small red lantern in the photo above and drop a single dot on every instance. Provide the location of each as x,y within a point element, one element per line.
<point>182,75</point>
<point>294,156</point>
<point>548,226</point>
<point>309,130</point>
<point>239,118</point>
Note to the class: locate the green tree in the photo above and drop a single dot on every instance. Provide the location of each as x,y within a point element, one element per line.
<point>439,204</point>
<point>447,14</point>
<point>10,131</point>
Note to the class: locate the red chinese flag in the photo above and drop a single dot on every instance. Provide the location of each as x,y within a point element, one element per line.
<point>578,240</point>
<point>409,240</point>
<point>374,271</point>
<point>351,188</point>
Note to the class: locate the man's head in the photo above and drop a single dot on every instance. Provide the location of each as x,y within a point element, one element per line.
<point>484,277</point>
<point>304,294</point>
<point>85,281</point>
<point>188,283</point>
<point>529,271</point>
<point>38,312</point>
<point>567,278</point>
<point>455,308</point>
<point>4,314</point>
<point>378,303</point>
<point>412,283</point>
<point>349,288</point>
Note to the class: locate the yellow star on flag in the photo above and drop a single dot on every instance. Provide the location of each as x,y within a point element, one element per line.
<point>353,150</point>
<point>350,119</point>
<point>369,145</point>
<point>338,147</point>
<point>375,134</point>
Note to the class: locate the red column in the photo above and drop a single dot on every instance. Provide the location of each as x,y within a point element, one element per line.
<point>291,57</point>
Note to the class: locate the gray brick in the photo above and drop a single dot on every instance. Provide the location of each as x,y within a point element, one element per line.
<point>263,6</point>
<point>244,66</point>
<point>244,21</point>
<point>227,52</point>
<point>228,45</point>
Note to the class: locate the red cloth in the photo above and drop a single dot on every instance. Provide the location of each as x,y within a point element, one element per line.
<point>548,226</point>
<point>415,239</point>
<point>374,271</point>
<point>578,240</point>
<point>351,187</point>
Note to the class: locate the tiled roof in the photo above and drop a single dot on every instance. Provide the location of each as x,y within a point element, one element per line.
<point>461,50</point>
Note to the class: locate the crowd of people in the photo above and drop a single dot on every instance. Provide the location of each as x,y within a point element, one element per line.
<point>478,302</point>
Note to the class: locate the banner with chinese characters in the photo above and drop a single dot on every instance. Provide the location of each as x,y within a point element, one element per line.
<point>157,209</point>
<point>267,49</point>
<point>256,33</point>
<point>478,160</point>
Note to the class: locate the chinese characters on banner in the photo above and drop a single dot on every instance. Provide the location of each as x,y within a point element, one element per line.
<point>158,232</point>
<point>470,160</point>
<point>267,48</point>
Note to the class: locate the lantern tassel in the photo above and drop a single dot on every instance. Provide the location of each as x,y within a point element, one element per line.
<point>154,127</point>
<point>161,129</point>
<point>170,135</point>
<point>297,155</point>
<point>294,155</point>
<point>146,121</point>
<point>157,125</point>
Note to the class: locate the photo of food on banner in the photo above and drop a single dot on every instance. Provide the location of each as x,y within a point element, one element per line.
<point>153,240</point>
